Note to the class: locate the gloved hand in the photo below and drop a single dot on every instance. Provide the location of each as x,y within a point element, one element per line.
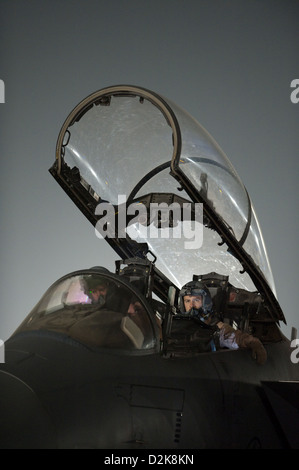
<point>244,340</point>
<point>259,353</point>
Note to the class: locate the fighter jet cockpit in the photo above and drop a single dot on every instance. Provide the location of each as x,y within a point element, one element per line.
<point>96,309</point>
<point>158,188</point>
<point>133,359</point>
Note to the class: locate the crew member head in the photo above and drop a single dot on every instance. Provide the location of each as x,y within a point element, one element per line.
<point>96,289</point>
<point>195,300</point>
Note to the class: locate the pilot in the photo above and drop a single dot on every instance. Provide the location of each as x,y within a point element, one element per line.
<point>96,289</point>
<point>195,301</point>
<point>106,293</point>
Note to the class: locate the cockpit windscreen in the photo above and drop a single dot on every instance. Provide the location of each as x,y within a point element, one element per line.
<point>95,310</point>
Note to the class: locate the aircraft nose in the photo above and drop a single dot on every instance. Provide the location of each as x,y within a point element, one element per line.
<point>24,422</point>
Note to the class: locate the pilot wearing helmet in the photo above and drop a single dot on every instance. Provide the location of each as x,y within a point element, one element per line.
<point>195,302</point>
<point>101,290</point>
<point>96,289</point>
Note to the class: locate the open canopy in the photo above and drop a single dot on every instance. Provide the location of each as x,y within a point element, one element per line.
<point>155,183</point>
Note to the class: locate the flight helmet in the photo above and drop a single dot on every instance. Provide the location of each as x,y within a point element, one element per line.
<point>196,288</point>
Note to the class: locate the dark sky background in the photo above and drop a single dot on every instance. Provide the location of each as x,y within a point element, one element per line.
<point>229,63</point>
